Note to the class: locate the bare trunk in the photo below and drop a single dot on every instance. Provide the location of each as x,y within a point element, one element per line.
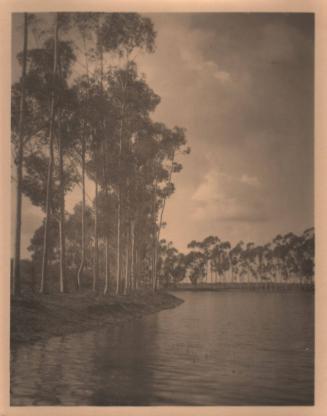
<point>132,225</point>
<point>50,169</point>
<point>137,269</point>
<point>155,282</point>
<point>81,267</point>
<point>96,237</point>
<point>107,260</point>
<point>62,263</point>
<point>119,208</point>
<point>127,282</point>
<point>107,231</point>
<point>82,264</point>
<point>16,276</point>
<point>118,245</point>
<point>107,271</point>
<point>155,241</point>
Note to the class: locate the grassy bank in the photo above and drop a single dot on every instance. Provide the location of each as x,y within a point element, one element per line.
<point>37,317</point>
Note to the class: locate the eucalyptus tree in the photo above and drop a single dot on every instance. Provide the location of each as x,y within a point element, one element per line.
<point>19,162</point>
<point>205,247</point>
<point>171,143</point>
<point>268,268</point>
<point>116,162</point>
<point>195,262</point>
<point>81,147</point>
<point>219,258</point>
<point>258,262</point>
<point>27,121</point>
<point>249,257</point>
<point>101,120</point>
<point>85,24</point>
<point>46,83</point>
<point>58,76</point>
<point>123,103</point>
<point>286,256</point>
<point>51,159</point>
<point>171,264</point>
<point>35,249</point>
<point>124,33</point>
<point>73,243</point>
<point>306,254</point>
<point>236,256</point>
<point>117,36</point>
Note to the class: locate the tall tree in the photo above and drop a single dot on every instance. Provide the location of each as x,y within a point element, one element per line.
<point>51,159</point>
<point>19,161</point>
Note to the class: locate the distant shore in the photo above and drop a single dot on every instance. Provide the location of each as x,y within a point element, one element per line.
<point>35,318</point>
<point>263,286</point>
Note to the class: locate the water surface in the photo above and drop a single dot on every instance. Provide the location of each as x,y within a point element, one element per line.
<point>217,348</point>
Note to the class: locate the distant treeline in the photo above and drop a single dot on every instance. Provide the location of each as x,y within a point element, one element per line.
<point>288,258</point>
<point>81,114</point>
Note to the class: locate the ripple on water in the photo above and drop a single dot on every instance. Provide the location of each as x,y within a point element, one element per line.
<point>217,348</point>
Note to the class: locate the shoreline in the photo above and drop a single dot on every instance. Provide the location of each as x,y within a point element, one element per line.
<point>35,318</point>
<point>268,287</point>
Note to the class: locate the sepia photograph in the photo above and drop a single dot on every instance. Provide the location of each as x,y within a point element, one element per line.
<point>162,209</point>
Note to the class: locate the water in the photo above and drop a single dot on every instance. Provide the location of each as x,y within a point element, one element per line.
<point>217,348</point>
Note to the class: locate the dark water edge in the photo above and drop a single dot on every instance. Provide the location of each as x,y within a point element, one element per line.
<point>34,318</point>
<point>218,348</point>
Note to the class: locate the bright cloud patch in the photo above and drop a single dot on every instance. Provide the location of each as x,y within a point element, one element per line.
<point>250,180</point>
<point>226,198</point>
<point>193,60</point>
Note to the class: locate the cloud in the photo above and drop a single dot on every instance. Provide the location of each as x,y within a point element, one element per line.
<point>194,60</point>
<point>227,198</point>
<point>250,180</point>
<point>208,190</point>
<point>222,76</point>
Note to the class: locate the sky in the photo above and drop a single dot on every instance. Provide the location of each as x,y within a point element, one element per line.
<point>241,84</point>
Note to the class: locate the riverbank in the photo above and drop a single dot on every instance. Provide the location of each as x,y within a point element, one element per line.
<point>36,317</point>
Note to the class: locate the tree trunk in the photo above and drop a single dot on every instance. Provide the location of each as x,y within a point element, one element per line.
<point>96,237</point>
<point>231,268</point>
<point>118,245</point>
<point>155,240</point>
<point>107,260</point>
<point>154,265</point>
<point>155,283</point>
<point>132,235</point>
<point>16,274</point>
<point>107,231</point>
<point>127,281</point>
<point>50,168</point>
<point>82,264</point>
<point>119,206</point>
<point>137,269</point>
<point>81,267</point>
<point>62,263</point>
<point>107,271</point>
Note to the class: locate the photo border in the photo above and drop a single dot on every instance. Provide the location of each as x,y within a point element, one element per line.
<point>320,142</point>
